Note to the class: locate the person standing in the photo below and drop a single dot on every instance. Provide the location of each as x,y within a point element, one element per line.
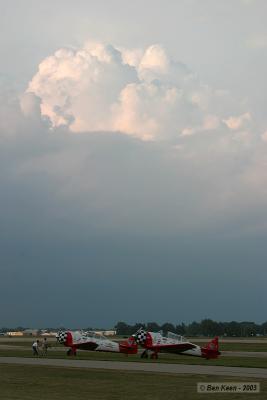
<point>45,346</point>
<point>35,346</point>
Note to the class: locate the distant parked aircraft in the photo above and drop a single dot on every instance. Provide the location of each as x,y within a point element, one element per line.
<point>95,342</point>
<point>155,343</point>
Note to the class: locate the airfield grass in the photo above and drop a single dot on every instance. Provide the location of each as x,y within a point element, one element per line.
<point>243,347</point>
<point>53,383</point>
<point>248,362</point>
<point>22,348</point>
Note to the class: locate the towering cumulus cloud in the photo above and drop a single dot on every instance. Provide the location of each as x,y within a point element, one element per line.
<point>137,92</point>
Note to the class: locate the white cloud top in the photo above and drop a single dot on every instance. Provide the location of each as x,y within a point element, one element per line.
<point>236,123</point>
<point>140,93</point>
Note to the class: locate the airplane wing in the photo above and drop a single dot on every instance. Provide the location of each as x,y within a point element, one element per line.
<point>86,346</point>
<point>171,348</point>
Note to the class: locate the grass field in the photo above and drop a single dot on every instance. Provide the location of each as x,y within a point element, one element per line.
<point>49,383</point>
<point>243,346</point>
<point>22,347</point>
<point>43,383</point>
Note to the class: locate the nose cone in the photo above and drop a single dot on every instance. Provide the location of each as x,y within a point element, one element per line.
<point>62,337</point>
<point>140,337</point>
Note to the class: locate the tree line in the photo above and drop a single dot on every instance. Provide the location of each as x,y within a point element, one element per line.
<point>206,327</point>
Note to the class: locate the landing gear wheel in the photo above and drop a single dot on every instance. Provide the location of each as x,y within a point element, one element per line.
<point>144,354</point>
<point>71,352</point>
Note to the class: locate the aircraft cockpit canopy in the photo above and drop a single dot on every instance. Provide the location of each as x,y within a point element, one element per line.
<point>174,336</point>
<point>94,335</point>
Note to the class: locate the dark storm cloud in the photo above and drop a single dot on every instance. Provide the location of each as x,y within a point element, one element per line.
<point>101,227</point>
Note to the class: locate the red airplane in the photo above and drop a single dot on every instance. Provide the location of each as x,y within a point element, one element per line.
<point>156,343</point>
<point>94,342</point>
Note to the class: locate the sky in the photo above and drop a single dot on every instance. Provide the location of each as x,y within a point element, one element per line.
<point>133,155</point>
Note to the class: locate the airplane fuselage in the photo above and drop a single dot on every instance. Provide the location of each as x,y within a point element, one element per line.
<point>94,342</point>
<point>176,345</point>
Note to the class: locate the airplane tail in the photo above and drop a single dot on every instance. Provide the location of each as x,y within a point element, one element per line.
<point>128,346</point>
<point>211,350</point>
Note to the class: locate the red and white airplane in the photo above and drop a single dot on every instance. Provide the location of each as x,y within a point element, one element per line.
<point>156,343</point>
<point>95,342</point>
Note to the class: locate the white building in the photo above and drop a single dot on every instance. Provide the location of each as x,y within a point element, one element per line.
<point>16,333</point>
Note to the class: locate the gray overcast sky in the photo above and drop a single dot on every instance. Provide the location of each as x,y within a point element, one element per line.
<point>133,141</point>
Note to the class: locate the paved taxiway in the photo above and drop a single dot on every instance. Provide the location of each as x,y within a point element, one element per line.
<point>139,367</point>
